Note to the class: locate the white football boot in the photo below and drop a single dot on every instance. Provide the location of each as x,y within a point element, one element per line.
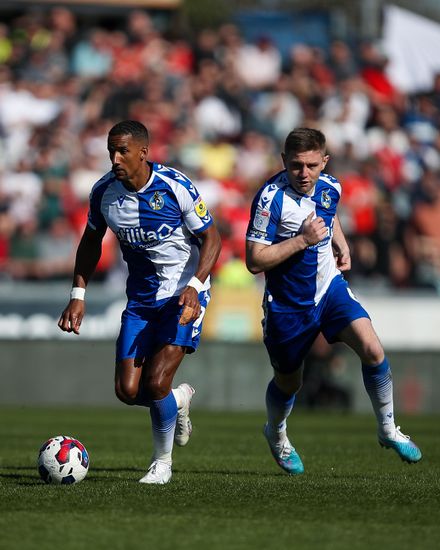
<point>158,473</point>
<point>183,422</point>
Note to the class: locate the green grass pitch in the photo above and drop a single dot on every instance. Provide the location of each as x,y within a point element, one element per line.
<point>226,491</point>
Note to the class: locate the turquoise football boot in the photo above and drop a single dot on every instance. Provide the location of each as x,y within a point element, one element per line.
<point>402,444</point>
<point>285,455</point>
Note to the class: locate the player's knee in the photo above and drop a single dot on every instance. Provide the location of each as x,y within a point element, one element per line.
<point>126,393</point>
<point>373,354</point>
<point>289,384</point>
<point>156,388</point>
<point>292,388</point>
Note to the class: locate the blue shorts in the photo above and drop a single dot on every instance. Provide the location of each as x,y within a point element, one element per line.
<point>145,329</point>
<point>289,335</point>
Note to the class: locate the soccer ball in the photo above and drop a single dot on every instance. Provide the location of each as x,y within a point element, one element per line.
<point>63,460</point>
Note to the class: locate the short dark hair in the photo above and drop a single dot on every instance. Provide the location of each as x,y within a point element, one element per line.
<point>130,127</point>
<point>300,140</point>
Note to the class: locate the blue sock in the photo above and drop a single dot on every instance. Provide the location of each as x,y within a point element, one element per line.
<point>163,414</point>
<point>379,385</point>
<point>278,405</point>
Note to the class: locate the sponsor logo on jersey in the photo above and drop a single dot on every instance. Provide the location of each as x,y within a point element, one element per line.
<point>326,200</point>
<point>324,242</point>
<point>257,234</point>
<point>200,208</point>
<point>261,219</point>
<point>137,237</point>
<point>157,201</point>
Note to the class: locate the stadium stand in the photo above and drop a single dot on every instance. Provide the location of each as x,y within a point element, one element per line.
<point>62,86</point>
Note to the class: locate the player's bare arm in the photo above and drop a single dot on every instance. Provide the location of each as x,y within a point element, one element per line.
<point>340,247</point>
<point>262,257</point>
<point>87,257</point>
<point>209,252</point>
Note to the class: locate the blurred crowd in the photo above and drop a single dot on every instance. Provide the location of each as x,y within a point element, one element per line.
<point>218,108</point>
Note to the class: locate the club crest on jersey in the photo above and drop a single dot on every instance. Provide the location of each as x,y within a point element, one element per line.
<point>200,207</point>
<point>156,202</point>
<point>121,199</point>
<point>326,200</point>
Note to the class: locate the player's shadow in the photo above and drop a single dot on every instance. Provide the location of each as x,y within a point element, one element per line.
<point>227,473</point>
<point>28,475</point>
<point>30,478</point>
<point>93,478</point>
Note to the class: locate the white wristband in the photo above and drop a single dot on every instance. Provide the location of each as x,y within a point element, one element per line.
<point>195,283</point>
<point>77,293</point>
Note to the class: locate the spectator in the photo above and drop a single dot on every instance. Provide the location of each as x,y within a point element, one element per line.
<point>342,61</point>
<point>23,189</point>
<point>373,71</point>
<point>344,116</point>
<point>5,44</point>
<point>23,251</point>
<point>276,110</point>
<point>56,250</point>
<point>426,238</point>
<point>7,226</point>
<point>258,65</point>
<point>92,57</point>
<point>219,118</point>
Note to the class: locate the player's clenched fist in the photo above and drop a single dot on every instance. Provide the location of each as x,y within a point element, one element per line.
<point>186,315</point>
<point>314,230</point>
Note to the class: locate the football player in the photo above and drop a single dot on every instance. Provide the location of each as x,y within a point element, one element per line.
<point>170,244</point>
<point>295,238</point>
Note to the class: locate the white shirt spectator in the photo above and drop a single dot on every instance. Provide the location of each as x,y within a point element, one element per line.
<point>23,188</point>
<point>20,111</point>
<point>214,118</point>
<point>258,65</point>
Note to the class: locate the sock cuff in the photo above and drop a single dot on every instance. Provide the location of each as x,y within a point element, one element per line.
<point>380,369</point>
<point>163,410</point>
<point>274,393</point>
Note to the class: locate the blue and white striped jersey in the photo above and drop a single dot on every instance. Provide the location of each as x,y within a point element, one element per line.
<point>157,230</point>
<point>277,214</point>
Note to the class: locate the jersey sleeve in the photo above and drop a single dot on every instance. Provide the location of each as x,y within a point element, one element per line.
<point>194,211</point>
<point>334,184</point>
<point>95,219</point>
<point>265,215</point>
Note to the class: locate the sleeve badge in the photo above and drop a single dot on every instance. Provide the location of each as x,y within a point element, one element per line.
<point>261,219</point>
<point>200,207</point>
